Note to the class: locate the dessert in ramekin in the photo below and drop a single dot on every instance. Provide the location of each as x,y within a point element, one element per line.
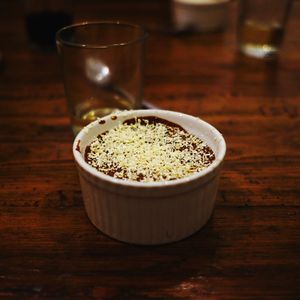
<point>139,210</point>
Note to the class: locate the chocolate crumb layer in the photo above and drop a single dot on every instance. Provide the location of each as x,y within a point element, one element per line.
<point>148,149</point>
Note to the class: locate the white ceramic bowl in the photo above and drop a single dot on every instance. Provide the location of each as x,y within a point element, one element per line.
<point>200,15</point>
<point>149,213</point>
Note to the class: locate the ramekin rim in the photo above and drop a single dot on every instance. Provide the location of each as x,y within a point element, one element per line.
<point>79,158</point>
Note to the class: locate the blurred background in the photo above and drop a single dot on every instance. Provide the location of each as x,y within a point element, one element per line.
<point>218,70</point>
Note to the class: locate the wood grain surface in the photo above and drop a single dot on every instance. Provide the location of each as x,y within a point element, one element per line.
<point>250,247</point>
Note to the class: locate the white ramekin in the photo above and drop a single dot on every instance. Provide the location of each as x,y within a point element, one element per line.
<point>200,15</point>
<point>149,213</point>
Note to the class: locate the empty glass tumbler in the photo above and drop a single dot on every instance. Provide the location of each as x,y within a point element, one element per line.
<point>103,66</point>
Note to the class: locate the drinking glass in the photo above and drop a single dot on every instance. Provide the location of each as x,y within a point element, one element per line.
<point>103,66</point>
<point>261,26</point>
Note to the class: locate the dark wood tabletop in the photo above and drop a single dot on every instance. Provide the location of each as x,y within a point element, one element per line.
<point>250,248</point>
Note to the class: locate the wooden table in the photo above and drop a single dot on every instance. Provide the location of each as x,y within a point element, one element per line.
<point>250,247</point>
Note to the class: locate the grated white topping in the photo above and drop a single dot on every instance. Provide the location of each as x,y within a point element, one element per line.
<point>148,151</point>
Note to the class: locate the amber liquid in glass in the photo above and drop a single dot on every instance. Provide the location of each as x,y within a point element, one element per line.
<point>260,40</point>
<point>89,110</point>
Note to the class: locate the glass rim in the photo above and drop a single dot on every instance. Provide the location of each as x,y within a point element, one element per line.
<point>62,41</point>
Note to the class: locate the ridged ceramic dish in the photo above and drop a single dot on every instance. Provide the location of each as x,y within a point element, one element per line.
<point>149,213</point>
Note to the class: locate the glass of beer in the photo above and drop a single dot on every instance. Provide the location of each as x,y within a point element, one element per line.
<point>102,68</point>
<point>261,26</point>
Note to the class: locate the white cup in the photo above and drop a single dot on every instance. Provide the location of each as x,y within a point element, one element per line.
<point>199,15</point>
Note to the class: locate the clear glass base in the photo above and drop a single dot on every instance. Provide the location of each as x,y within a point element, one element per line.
<point>259,51</point>
<point>90,116</point>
